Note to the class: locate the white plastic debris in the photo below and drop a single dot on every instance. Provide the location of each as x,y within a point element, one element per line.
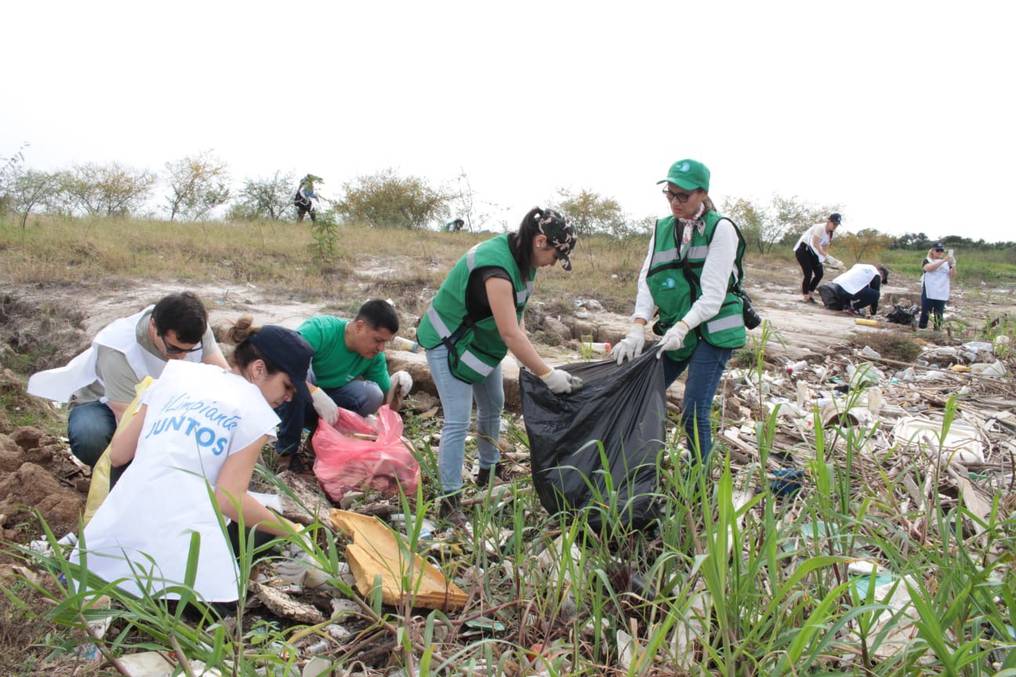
<point>962,444</point>
<point>870,353</point>
<point>992,369</point>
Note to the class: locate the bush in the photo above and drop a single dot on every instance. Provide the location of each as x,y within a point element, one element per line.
<point>386,200</point>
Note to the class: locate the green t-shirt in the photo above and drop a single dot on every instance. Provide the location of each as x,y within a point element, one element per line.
<point>334,364</point>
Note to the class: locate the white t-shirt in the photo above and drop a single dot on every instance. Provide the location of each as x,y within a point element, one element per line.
<point>198,415</point>
<point>807,237</point>
<point>857,278</point>
<point>936,282</point>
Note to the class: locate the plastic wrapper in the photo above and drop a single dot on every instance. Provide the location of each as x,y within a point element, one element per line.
<point>624,408</point>
<point>357,453</point>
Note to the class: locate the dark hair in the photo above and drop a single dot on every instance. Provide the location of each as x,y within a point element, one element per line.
<point>521,241</point>
<point>183,313</point>
<point>379,314</point>
<point>245,352</point>
<point>884,272</point>
<point>835,218</point>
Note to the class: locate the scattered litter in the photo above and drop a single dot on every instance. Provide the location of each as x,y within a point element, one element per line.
<point>284,606</point>
<point>317,667</point>
<point>992,370</point>
<point>785,481</point>
<point>870,353</point>
<point>375,553</point>
<point>962,443</point>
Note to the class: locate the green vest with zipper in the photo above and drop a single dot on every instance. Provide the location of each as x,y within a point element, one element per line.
<point>674,279</point>
<point>475,346</point>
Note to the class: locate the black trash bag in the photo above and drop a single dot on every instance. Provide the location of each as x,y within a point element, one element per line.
<point>904,314</point>
<point>830,297</point>
<point>625,408</point>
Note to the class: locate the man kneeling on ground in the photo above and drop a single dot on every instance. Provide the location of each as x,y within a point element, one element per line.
<point>856,289</point>
<point>99,383</point>
<point>348,370</point>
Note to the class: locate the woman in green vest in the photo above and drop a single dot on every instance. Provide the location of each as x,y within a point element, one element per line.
<point>691,275</point>
<point>473,321</point>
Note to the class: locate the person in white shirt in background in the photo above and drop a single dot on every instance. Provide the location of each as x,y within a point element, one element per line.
<point>192,448</point>
<point>939,270</point>
<point>689,275</point>
<point>811,251</point>
<point>858,288</point>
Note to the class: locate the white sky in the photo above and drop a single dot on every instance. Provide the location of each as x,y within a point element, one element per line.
<point>899,111</point>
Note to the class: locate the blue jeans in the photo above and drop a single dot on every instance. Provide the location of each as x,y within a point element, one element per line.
<point>457,405</point>
<point>705,367</point>
<point>934,306</point>
<point>90,427</point>
<point>363,397</point>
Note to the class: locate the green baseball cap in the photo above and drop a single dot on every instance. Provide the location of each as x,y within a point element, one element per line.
<point>688,174</point>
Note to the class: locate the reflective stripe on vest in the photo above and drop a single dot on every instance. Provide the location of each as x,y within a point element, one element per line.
<point>476,364</point>
<point>699,252</point>
<point>665,256</point>
<point>439,326</point>
<point>728,322</point>
<point>523,295</point>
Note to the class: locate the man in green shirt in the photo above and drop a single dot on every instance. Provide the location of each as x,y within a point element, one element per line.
<point>349,370</point>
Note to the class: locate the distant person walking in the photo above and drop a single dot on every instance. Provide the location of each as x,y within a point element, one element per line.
<point>305,197</point>
<point>811,251</point>
<point>938,272</point>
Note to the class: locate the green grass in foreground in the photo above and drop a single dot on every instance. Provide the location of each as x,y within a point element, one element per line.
<point>735,582</point>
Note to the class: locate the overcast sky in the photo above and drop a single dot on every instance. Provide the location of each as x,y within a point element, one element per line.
<point>902,112</point>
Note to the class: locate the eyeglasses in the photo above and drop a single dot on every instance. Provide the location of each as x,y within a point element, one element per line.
<point>682,198</point>
<point>177,350</point>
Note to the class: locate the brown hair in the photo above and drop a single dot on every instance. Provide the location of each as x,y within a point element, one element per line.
<point>245,353</point>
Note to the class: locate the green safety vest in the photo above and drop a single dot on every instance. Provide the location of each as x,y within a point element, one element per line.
<point>674,279</point>
<point>475,347</point>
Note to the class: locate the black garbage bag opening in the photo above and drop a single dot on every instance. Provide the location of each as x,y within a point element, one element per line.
<point>625,409</point>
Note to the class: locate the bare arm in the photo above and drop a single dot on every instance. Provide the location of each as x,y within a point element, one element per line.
<point>118,408</point>
<point>934,264</point>
<point>232,485</point>
<point>816,244</point>
<point>501,297</point>
<point>125,441</point>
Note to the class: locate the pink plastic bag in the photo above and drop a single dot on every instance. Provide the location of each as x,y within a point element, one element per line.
<point>345,463</point>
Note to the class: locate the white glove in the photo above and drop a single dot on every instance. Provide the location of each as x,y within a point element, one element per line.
<point>403,380</point>
<point>673,339</point>
<point>561,382</point>
<point>324,406</point>
<point>631,345</point>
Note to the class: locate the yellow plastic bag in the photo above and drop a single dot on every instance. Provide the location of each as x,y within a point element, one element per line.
<point>98,488</point>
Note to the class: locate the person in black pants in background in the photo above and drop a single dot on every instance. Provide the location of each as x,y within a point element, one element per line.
<point>811,250</point>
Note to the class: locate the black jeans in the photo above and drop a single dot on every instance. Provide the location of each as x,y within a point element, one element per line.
<point>810,266</point>
<point>934,306</point>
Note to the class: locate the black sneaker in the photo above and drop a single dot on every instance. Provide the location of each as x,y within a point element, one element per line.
<point>484,475</point>
<point>450,508</point>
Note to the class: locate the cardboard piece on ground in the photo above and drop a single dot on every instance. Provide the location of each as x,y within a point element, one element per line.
<point>375,553</point>
<point>963,443</point>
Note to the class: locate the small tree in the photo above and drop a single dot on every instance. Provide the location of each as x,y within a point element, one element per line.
<point>590,213</point>
<point>106,190</point>
<point>264,198</point>
<point>10,169</point>
<point>867,244</point>
<point>198,184</point>
<point>31,189</point>
<point>766,225</point>
<point>386,200</point>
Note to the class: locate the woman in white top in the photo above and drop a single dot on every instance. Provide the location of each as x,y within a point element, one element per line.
<point>811,250</point>
<point>938,272</point>
<point>192,448</point>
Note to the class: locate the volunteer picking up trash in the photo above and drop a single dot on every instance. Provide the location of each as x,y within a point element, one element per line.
<point>939,269</point>
<point>473,321</point>
<point>858,288</point>
<point>691,274</point>
<point>99,383</point>
<point>811,250</point>
<point>349,370</point>
<point>306,197</point>
<point>192,447</point>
